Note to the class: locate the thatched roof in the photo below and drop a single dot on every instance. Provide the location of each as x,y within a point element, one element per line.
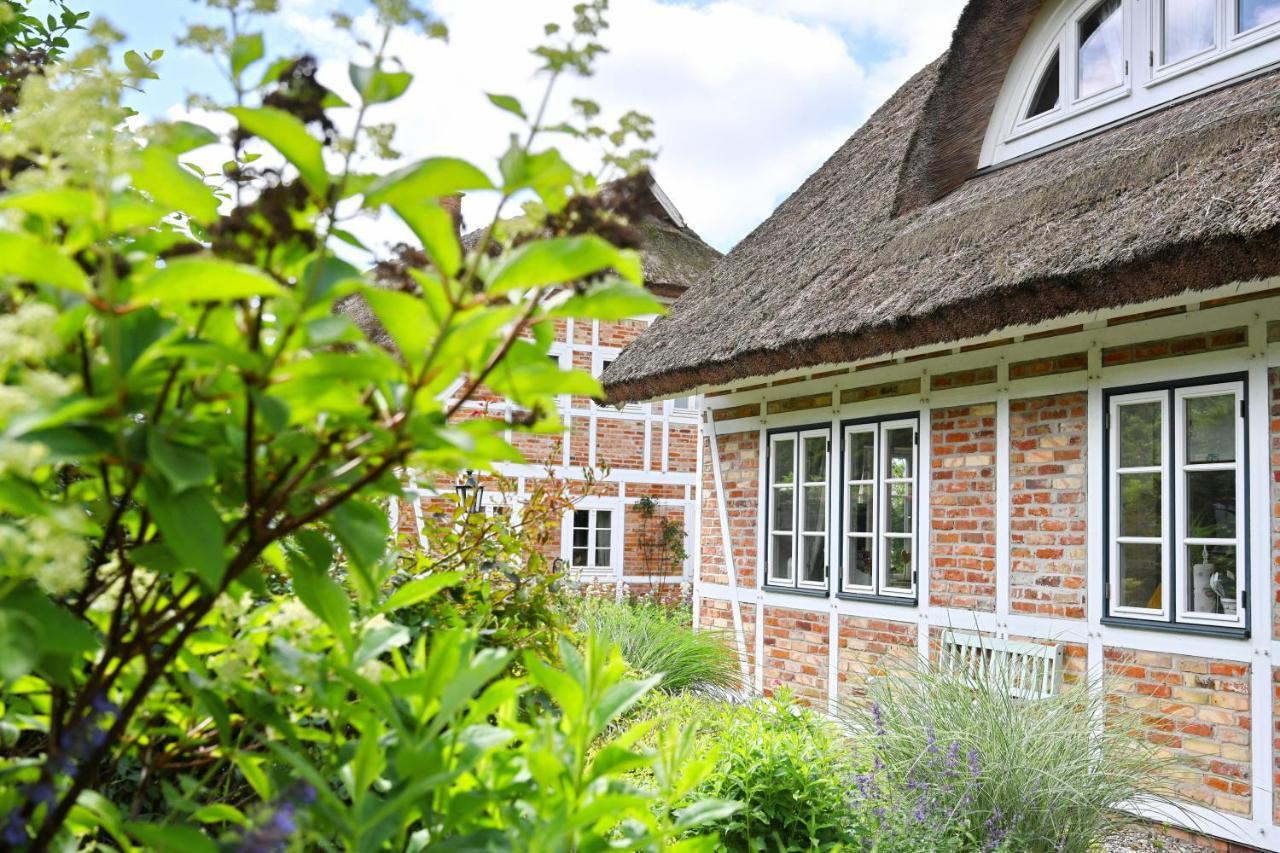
<point>861,261</point>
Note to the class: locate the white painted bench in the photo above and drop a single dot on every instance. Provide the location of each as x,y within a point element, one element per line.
<point>1031,670</point>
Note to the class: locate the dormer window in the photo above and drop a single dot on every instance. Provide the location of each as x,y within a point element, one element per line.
<point>1187,28</point>
<point>1048,94</point>
<point>1253,14</point>
<point>1089,64</point>
<point>1101,59</point>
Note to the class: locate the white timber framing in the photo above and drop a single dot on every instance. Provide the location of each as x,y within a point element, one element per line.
<point>1260,651</point>
<point>726,538</point>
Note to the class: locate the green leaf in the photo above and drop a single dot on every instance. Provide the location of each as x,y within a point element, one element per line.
<point>289,136</point>
<point>171,838</point>
<point>436,230</point>
<point>377,86</point>
<point>704,812</point>
<point>378,640</point>
<point>181,137</point>
<point>419,590</point>
<point>561,260</point>
<point>220,813</point>
<point>322,596</point>
<point>20,639</point>
<point>406,319</point>
<point>192,529</point>
<point>362,530</point>
<point>163,178</point>
<point>613,299</point>
<point>204,280</point>
<point>183,466</point>
<point>62,203</point>
<point>432,178</point>
<point>508,103</point>
<point>30,259</point>
<point>246,50</point>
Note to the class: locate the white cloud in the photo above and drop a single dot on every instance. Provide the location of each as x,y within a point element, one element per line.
<point>748,96</point>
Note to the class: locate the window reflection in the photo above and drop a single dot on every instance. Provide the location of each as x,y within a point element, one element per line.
<point>1101,56</point>
<point>1257,13</point>
<point>1188,28</point>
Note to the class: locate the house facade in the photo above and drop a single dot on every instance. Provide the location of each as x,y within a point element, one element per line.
<point>629,467</point>
<point>1008,364</point>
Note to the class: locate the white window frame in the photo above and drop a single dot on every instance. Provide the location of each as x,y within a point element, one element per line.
<point>1182,538</point>
<point>593,529</point>
<point>880,489</point>
<point>1114,539</point>
<point>1176,575</point>
<point>797,531</point>
<point>1148,81</point>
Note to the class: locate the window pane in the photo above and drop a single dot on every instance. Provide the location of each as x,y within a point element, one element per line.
<point>815,509</point>
<point>784,461</point>
<point>1211,428</point>
<point>898,570</point>
<point>858,561</point>
<point>860,509</point>
<point>814,569</point>
<point>580,535</point>
<point>781,565</point>
<point>1140,513</point>
<point>604,519</point>
<point>815,460</point>
<point>579,556</point>
<point>1047,92</point>
<point>1188,27</point>
<point>682,402</point>
<point>1101,59</point>
<point>1213,579</point>
<point>581,518</point>
<point>900,451</point>
<point>1140,437</point>
<point>899,520</point>
<point>1140,573</point>
<point>783,508</point>
<point>602,552</point>
<point>862,456</point>
<point>1258,13</point>
<point>1211,504</point>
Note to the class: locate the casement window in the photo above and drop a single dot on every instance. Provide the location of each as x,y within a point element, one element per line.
<point>1091,63</point>
<point>878,556</point>
<point>591,549</point>
<point>799,463</point>
<point>1177,512</point>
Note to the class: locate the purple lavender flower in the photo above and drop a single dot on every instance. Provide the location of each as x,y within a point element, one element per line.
<point>973,762</point>
<point>15,830</point>
<point>878,718</point>
<point>41,792</point>
<point>931,741</point>
<point>920,813</point>
<point>952,761</point>
<point>103,705</point>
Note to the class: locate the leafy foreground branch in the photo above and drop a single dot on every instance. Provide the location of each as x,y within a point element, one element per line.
<point>192,436</point>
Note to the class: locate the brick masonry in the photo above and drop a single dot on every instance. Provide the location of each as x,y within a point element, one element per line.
<point>795,653</point>
<point>717,615</point>
<point>739,470</point>
<point>1201,342</point>
<point>962,562</point>
<point>1196,711</point>
<point>870,648</point>
<point>1047,505</point>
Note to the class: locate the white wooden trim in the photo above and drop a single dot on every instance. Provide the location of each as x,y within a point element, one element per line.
<point>726,539</point>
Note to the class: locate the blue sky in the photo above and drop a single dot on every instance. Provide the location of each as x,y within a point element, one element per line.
<point>748,96</point>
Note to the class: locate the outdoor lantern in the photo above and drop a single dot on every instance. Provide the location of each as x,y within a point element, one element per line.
<point>469,487</point>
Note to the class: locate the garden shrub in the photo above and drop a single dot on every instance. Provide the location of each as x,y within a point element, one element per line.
<point>206,640</point>
<point>790,768</point>
<point>957,760</point>
<point>660,640</point>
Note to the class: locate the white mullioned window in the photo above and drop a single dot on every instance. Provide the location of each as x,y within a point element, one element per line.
<point>1177,504</point>
<point>1095,62</point>
<point>591,547</point>
<point>879,508</point>
<point>799,466</point>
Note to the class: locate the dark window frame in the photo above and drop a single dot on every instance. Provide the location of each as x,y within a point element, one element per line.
<point>1169,533</point>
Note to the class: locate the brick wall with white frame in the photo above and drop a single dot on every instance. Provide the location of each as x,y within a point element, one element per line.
<point>642,450</point>
<point>1193,626</point>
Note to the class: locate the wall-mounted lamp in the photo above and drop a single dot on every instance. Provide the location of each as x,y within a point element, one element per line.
<point>470,492</point>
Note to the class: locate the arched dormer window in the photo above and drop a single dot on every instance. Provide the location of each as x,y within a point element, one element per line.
<point>1086,64</point>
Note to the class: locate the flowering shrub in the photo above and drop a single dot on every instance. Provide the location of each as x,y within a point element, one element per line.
<point>958,760</point>
<point>203,631</point>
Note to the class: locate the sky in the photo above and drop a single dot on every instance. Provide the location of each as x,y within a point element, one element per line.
<point>748,97</point>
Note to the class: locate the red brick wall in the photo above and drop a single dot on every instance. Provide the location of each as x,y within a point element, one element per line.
<point>682,449</point>
<point>1196,710</point>
<point>795,653</point>
<point>869,648</point>
<point>643,551</point>
<point>1047,505</point>
<point>620,443</point>
<point>621,333</point>
<point>539,449</point>
<point>739,470</point>
<point>717,615</point>
<point>580,441</point>
<point>962,558</point>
